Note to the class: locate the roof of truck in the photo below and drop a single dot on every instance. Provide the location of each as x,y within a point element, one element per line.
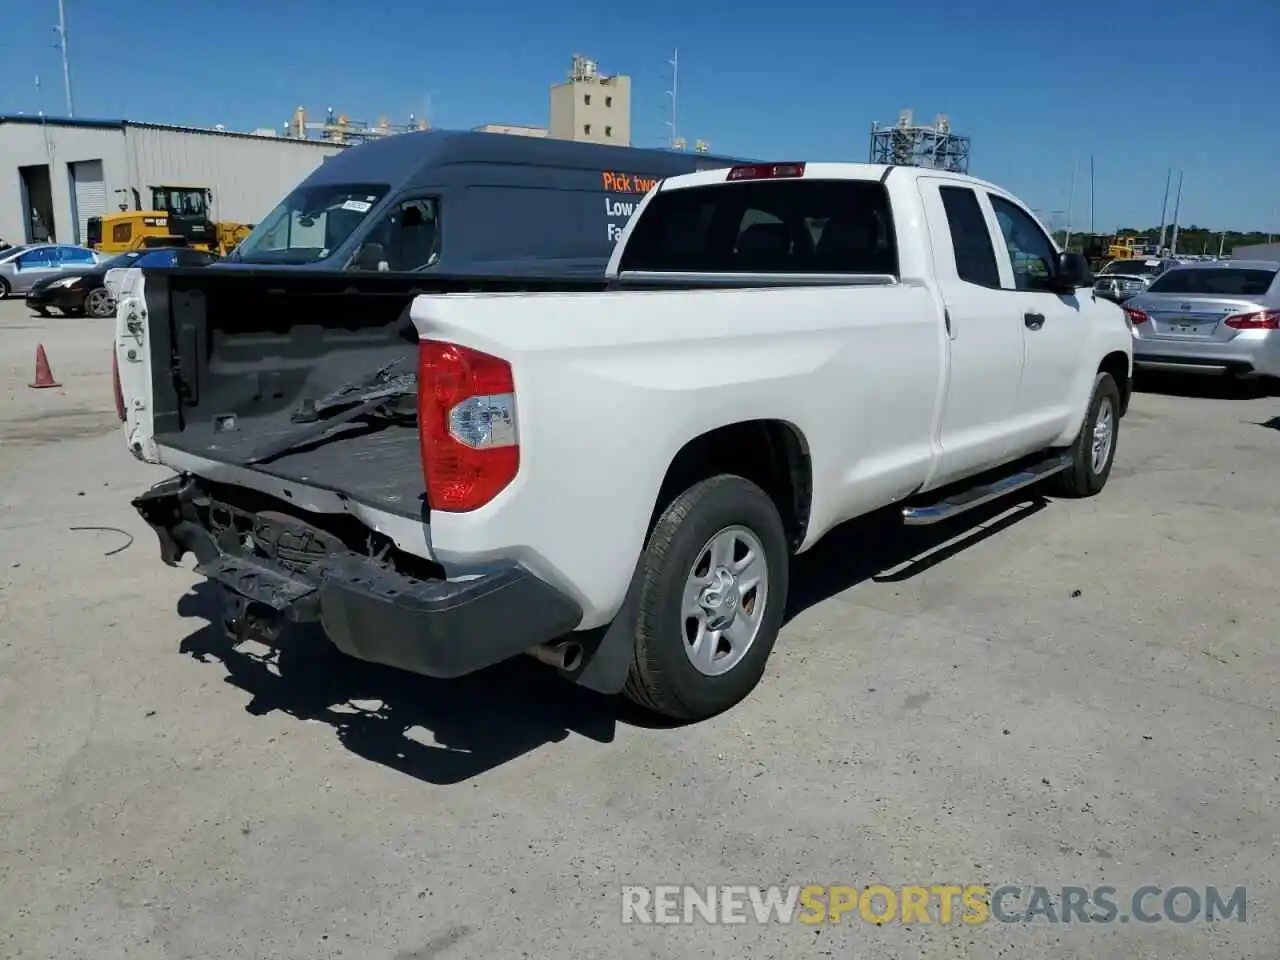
<point>398,160</point>
<point>822,170</point>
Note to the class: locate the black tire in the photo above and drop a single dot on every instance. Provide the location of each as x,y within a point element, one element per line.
<point>91,305</point>
<point>4,288</point>
<point>662,677</point>
<point>1082,478</point>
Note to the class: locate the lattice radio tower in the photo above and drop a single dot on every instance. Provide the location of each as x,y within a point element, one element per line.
<point>913,145</point>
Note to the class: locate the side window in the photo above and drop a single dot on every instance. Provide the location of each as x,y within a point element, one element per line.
<point>970,238</point>
<point>409,236</point>
<point>37,258</point>
<point>1030,251</point>
<point>75,255</point>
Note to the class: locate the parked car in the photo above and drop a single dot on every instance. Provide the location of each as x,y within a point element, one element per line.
<point>24,266</point>
<point>1121,279</point>
<point>614,478</point>
<point>1211,317</point>
<point>74,293</point>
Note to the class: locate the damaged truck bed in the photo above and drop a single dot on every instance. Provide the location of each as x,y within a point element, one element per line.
<point>287,403</point>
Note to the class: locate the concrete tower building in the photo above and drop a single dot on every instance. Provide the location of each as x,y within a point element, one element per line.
<point>590,107</point>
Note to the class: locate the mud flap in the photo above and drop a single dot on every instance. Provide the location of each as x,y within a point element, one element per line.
<point>609,651</point>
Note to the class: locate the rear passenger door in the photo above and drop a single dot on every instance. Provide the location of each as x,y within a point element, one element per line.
<point>983,330</point>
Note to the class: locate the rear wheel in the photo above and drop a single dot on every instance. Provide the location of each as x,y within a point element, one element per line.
<point>4,288</point>
<point>1094,449</point>
<point>713,591</point>
<point>98,303</point>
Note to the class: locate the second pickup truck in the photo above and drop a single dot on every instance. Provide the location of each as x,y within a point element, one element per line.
<point>615,477</point>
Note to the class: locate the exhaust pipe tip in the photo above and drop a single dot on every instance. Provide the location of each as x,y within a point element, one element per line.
<point>565,655</point>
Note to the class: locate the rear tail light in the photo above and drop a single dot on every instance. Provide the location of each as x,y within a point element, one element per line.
<point>115,385</point>
<point>767,171</point>
<point>1135,316</point>
<point>1262,320</point>
<point>466,425</point>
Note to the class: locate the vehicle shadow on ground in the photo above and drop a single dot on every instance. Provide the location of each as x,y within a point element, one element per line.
<point>448,731</point>
<point>439,731</point>
<point>1204,387</point>
<point>880,549</point>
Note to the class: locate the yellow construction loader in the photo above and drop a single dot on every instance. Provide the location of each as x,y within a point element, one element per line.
<point>177,217</point>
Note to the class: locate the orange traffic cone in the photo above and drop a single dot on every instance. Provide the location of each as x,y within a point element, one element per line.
<point>44,375</point>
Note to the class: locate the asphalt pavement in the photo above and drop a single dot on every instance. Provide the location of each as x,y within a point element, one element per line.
<point>1048,694</point>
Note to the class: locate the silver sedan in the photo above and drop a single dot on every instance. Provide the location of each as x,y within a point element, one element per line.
<point>1210,317</point>
<point>23,266</point>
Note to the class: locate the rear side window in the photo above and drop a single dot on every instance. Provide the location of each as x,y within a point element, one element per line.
<point>767,226</point>
<point>1214,281</point>
<point>970,238</point>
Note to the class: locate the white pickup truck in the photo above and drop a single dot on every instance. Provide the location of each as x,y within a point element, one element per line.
<point>614,476</point>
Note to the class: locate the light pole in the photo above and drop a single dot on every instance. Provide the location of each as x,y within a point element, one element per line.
<point>1071,203</point>
<point>66,64</point>
<point>674,94</point>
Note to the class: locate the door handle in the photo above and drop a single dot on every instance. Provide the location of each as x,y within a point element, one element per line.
<point>1034,321</point>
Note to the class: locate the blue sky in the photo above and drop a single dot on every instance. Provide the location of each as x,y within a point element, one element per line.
<point>1140,86</point>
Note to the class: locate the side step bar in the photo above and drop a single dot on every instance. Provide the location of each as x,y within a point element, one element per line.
<point>957,503</point>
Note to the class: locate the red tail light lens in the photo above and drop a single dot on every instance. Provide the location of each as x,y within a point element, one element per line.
<point>1136,316</point>
<point>1262,320</point>
<point>466,425</point>
<point>115,384</point>
<point>767,171</point>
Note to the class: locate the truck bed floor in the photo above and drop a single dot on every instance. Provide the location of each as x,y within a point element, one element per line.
<point>381,469</point>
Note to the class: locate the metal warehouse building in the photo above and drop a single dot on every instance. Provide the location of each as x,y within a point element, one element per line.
<point>55,174</point>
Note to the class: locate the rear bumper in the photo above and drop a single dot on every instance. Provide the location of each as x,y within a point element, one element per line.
<point>1250,352</point>
<point>433,627</point>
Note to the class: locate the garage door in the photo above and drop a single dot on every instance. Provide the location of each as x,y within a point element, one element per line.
<point>90,195</point>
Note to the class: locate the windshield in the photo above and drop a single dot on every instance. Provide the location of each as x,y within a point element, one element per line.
<point>157,258</point>
<point>1215,281</point>
<point>13,251</point>
<point>180,201</point>
<point>123,260</point>
<point>1134,268</point>
<point>310,223</point>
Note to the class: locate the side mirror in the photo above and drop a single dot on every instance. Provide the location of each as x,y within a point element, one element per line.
<point>371,257</point>
<point>1072,272</point>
